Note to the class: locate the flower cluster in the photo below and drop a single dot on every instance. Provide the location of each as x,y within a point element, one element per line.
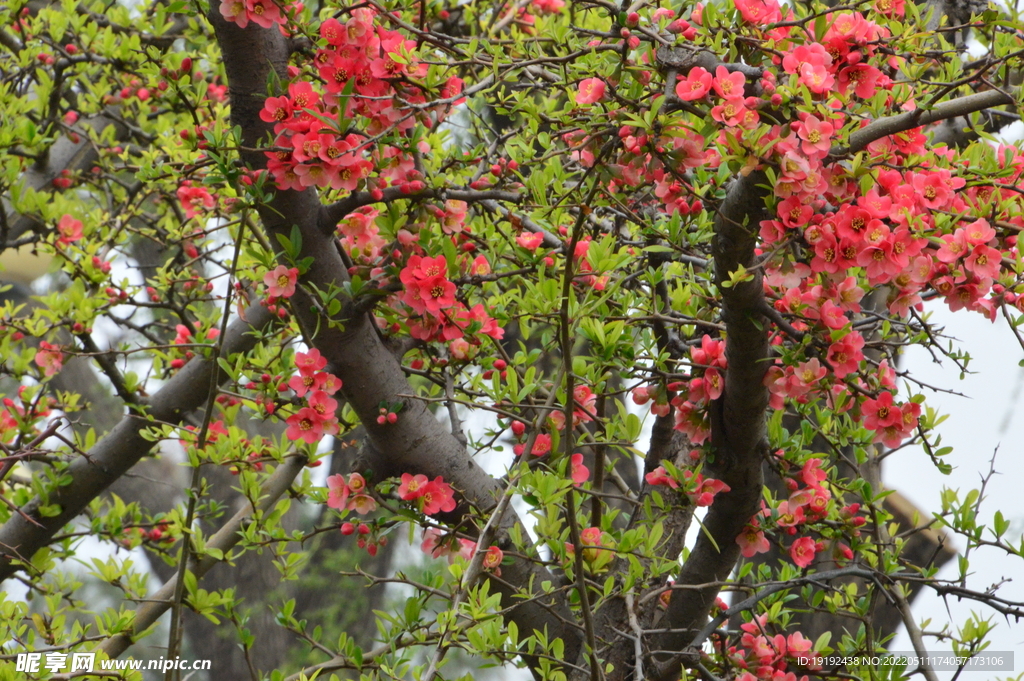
<point>435,544</point>
<point>350,495</point>
<point>699,490</point>
<point>263,13</point>
<point>430,496</point>
<point>317,418</point>
<point>367,71</point>
<point>765,657</point>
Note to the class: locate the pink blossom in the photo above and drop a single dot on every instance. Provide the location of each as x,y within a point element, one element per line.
<point>579,473</point>
<point>591,90</point>
<point>703,490</point>
<point>437,496</point>
<point>412,487</point>
<point>759,12</point>
<point>306,425</point>
<point>194,200</point>
<point>845,355</point>
<point>729,85</point>
<point>530,240</point>
<point>541,444</point>
<point>280,281</point>
<point>337,492</point>
<point>309,362</point>
<point>492,560</point>
<point>49,358</point>
<point>695,86</point>
<point>752,541</point>
<point>70,229</point>
<point>802,551</point>
<point>812,474</point>
<point>362,504</point>
<point>659,476</point>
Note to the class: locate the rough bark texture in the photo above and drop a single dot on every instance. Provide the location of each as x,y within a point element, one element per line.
<point>738,416</point>
<point>371,374</point>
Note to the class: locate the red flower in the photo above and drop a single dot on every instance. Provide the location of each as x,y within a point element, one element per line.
<point>306,425</point>
<point>802,551</point>
<point>49,358</point>
<point>591,90</point>
<point>309,362</point>
<point>579,473</point>
<point>412,487</point>
<point>695,85</point>
<point>437,496</point>
<point>492,560</point>
<point>70,229</point>
<point>194,200</point>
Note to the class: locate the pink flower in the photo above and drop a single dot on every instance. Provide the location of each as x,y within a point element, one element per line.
<point>433,543</point>
<point>979,233</point>
<point>427,289</point>
<point>412,487</point>
<point>362,504</point>
<point>596,547</point>
<point>714,384</point>
<point>759,12</point>
<point>580,473</point>
<point>984,262</point>
<point>280,281</point>
<point>752,541</point>
<point>816,78</point>
<point>845,355</point>
<point>309,362</point>
<point>437,496</point>
<point>816,136</point>
<point>306,425</point>
<point>263,13</point>
<point>195,200</point>
<point>705,489</point>
<point>881,413</point>
<point>812,474</point>
<point>530,240</point>
<point>49,358</point>
<point>695,86</point>
<point>492,560</point>
<point>70,229</point>
<point>802,551</point>
<point>729,85</point>
<point>480,266</point>
<point>337,492</point>
<point>790,514</point>
<point>591,90</point>
<point>659,476</point>
<point>541,445</point>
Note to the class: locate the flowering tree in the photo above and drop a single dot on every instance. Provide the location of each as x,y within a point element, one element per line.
<point>439,231</point>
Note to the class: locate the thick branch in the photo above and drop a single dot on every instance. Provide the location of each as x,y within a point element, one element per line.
<point>890,125</point>
<point>738,416</point>
<point>121,449</point>
<point>370,373</point>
